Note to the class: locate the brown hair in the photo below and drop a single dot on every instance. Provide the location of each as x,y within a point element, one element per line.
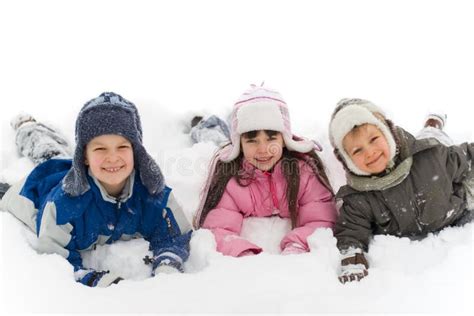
<point>225,171</point>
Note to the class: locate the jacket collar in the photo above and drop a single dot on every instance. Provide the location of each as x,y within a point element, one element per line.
<point>391,179</point>
<point>126,192</point>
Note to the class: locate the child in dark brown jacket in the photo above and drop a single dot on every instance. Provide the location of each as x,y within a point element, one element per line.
<point>396,184</point>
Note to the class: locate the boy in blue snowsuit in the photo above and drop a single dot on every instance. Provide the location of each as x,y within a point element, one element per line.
<point>111,190</point>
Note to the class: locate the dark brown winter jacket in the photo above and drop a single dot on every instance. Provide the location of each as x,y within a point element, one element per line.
<point>423,193</point>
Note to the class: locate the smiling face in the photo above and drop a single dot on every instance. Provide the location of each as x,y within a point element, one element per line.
<point>262,149</point>
<point>110,159</point>
<point>368,148</point>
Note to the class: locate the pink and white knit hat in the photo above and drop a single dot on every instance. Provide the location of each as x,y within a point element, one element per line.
<point>260,108</point>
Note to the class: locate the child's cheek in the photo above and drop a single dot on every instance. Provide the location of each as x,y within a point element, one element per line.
<point>96,159</point>
<point>358,161</point>
<point>275,149</point>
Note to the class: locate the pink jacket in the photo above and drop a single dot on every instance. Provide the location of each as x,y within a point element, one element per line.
<point>266,196</point>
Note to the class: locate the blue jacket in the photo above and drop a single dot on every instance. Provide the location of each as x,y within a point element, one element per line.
<point>67,225</point>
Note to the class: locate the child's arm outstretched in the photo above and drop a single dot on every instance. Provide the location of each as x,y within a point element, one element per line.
<point>53,237</point>
<point>225,222</point>
<point>316,209</point>
<point>170,240</point>
<point>353,232</point>
<point>58,238</point>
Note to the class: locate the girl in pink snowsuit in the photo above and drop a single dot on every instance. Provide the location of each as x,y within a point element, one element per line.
<point>275,174</point>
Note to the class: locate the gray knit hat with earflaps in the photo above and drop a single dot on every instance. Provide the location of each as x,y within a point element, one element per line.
<point>109,113</point>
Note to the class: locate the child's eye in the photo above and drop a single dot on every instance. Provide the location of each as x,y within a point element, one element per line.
<point>99,149</point>
<point>248,141</point>
<point>373,139</point>
<point>356,151</point>
<point>124,147</point>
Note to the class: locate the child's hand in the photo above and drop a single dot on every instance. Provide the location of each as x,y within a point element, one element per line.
<point>353,265</point>
<point>164,264</point>
<point>166,269</point>
<point>100,279</point>
<point>352,272</point>
<point>248,252</point>
<point>293,249</point>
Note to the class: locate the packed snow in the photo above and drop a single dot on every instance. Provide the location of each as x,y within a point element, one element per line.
<point>184,58</point>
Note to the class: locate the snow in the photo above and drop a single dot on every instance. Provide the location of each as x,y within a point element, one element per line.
<point>182,58</point>
<point>266,232</point>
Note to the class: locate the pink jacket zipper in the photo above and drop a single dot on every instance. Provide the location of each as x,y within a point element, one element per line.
<point>272,189</point>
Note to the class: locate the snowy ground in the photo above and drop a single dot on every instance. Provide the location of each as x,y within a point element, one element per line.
<point>180,58</point>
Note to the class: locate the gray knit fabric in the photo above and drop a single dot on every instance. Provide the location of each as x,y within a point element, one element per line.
<point>395,177</point>
<point>109,113</point>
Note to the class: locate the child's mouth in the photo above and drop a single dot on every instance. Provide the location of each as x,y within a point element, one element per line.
<point>263,160</point>
<point>113,169</point>
<point>374,161</point>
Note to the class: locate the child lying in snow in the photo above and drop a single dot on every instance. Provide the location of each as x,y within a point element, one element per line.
<point>265,172</point>
<point>111,190</point>
<point>396,184</point>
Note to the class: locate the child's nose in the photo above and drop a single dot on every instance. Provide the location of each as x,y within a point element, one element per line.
<point>370,151</point>
<point>262,148</point>
<point>113,156</point>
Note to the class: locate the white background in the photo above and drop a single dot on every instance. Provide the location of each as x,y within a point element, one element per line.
<point>176,58</point>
